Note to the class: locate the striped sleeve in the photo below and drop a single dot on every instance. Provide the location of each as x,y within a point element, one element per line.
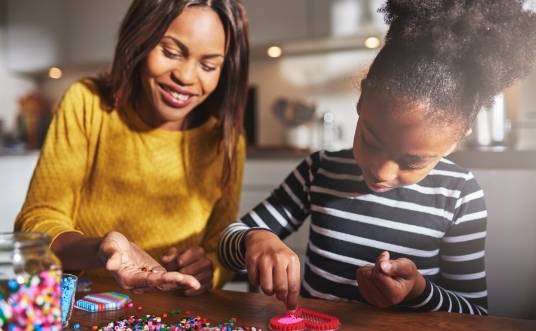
<point>283,212</point>
<point>461,286</point>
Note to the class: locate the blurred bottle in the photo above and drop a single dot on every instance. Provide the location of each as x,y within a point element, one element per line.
<point>330,132</point>
<point>33,119</point>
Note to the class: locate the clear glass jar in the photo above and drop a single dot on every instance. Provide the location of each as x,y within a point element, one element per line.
<point>30,279</point>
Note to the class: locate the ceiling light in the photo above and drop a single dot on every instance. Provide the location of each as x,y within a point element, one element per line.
<point>274,51</point>
<point>55,73</point>
<point>372,42</point>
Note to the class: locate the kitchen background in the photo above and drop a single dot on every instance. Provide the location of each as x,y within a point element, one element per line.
<point>308,57</point>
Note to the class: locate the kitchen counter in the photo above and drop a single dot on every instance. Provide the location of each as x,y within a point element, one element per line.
<point>488,159</point>
<point>470,158</point>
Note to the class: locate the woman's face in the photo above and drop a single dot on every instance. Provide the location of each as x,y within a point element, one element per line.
<point>184,68</point>
<point>396,144</point>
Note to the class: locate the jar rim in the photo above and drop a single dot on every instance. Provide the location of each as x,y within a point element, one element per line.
<point>23,240</point>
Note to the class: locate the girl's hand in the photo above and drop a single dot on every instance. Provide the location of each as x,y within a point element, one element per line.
<point>134,269</point>
<point>273,266</point>
<point>389,282</point>
<point>193,262</point>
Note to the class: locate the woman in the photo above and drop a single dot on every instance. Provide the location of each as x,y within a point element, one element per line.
<point>146,162</point>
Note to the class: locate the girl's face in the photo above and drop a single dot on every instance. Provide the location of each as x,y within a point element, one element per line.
<point>396,144</point>
<point>184,68</point>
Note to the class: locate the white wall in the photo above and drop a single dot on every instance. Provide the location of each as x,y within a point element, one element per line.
<point>15,174</point>
<point>511,241</point>
<point>12,86</point>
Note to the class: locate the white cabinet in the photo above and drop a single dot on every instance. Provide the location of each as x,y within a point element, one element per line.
<point>277,20</point>
<point>92,29</point>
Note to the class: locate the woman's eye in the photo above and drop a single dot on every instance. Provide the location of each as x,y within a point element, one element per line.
<point>208,68</point>
<point>169,54</point>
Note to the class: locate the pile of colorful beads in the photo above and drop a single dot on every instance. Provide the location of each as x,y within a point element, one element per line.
<point>31,302</point>
<point>155,323</point>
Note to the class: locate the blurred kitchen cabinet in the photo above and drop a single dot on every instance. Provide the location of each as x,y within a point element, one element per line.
<point>277,20</point>
<point>41,34</point>
<point>33,34</point>
<point>92,30</point>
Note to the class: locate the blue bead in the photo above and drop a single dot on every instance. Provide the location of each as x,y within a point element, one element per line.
<point>13,285</point>
<point>76,326</point>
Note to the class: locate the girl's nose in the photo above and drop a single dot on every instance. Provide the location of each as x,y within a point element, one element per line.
<point>385,171</point>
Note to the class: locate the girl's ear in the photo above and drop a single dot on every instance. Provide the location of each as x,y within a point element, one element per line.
<point>469,131</point>
<point>451,149</point>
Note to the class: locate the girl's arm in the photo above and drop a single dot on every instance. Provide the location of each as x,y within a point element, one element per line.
<point>282,213</point>
<point>462,282</point>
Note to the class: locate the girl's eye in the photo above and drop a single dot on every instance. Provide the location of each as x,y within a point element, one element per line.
<point>368,144</point>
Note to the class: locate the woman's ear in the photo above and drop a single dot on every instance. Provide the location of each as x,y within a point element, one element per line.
<point>358,106</point>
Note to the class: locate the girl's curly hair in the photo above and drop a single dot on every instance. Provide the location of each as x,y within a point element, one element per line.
<point>456,54</point>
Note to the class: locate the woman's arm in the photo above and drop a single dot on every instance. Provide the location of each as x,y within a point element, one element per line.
<point>77,251</point>
<point>53,196</point>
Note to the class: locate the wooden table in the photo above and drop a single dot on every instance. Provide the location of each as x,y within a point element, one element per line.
<point>253,309</point>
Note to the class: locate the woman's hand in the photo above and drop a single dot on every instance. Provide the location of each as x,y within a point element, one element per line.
<point>389,282</point>
<point>193,262</point>
<point>134,269</point>
<point>273,266</point>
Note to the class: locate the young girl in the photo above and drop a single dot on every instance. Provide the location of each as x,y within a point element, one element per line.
<point>148,159</point>
<point>394,223</point>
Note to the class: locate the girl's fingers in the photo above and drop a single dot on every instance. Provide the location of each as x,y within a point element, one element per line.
<point>253,273</point>
<point>280,280</point>
<point>293,274</point>
<point>389,287</point>
<point>266,277</point>
<point>368,290</point>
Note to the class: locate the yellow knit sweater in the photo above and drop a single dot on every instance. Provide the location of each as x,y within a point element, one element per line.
<point>107,170</point>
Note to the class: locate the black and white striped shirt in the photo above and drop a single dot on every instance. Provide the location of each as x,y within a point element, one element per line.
<point>439,223</point>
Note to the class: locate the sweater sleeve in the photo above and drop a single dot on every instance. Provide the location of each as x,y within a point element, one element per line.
<point>52,198</point>
<point>461,286</point>
<point>224,213</point>
<point>283,212</point>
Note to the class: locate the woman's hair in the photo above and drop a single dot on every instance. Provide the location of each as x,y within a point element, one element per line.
<point>456,55</point>
<point>142,29</point>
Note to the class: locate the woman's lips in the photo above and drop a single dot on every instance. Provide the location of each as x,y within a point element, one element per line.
<point>173,98</point>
